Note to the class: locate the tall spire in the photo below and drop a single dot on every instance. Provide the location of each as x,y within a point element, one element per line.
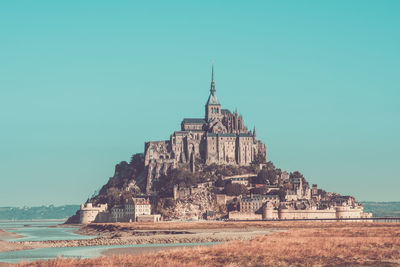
<point>212,99</point>
<point>212,79</point>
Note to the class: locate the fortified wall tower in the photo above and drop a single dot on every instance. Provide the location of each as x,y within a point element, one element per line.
<point>89,213</point>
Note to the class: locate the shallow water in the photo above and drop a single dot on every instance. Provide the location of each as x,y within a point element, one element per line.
<point>41,230</point>
<point>44,230</point>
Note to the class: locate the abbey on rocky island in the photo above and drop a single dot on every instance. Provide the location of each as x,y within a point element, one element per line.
<point>220,137</point>
<point>176,179</point>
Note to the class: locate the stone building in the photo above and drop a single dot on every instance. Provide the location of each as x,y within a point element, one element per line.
<point>220,137</point>
<point>148,218</point>
<point>314,190</point>
<point>285,177</point>
<point>132,209</point>
<point>243,181</point>
<point>254,203</point>
<point>90,213</point>
<point>135,207</point>
<point>129,212</point>
<point>118,214</point>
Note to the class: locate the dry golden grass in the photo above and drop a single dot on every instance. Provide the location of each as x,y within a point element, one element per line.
<point>304,244</point>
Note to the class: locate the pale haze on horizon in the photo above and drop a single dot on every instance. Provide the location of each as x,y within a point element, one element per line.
<point>83,84</point>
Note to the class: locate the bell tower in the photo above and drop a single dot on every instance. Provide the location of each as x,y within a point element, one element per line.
<point>213,107</point>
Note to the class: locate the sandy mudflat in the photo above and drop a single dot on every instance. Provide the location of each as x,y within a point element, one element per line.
<point>4,235</point>
<point>10,246</point>
<point>131,237</point>
<point>160,233</point>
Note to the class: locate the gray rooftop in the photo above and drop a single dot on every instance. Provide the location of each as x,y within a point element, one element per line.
<point>245,135</point>
<point>222,134</point>
<point>194,121</point>
<point>225,111</point>
<point>259,198</point>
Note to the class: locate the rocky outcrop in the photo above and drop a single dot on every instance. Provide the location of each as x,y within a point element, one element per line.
<point>194,205</point>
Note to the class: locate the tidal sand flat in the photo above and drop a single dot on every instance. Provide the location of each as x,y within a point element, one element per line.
<point>131,238</point>
<point>13,234</point>
<point>10,246</point>
<point>4,235</point>
<point>303,244</point>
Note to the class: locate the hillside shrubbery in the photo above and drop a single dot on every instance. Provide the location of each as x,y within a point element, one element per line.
<point>113,192</point>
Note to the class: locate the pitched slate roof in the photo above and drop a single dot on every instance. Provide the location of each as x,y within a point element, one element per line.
<point>194,121</point>
<point>245,135</point>
<point>225,111</point>
<point>222,134</point>
<point>259,198</point>
<point>227,135</point>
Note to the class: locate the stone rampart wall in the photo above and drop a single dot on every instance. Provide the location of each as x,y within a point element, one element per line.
<point>307,214</point>
<point>335,213</point>
<point>235,215</point>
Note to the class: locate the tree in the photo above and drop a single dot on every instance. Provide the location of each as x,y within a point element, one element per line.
<point>220,182</point>
<point>169,202</point>
<point>259,158</point>
<point>299,175</point>
<point>270,165</point>
<point>235,189</point>
<point>137,163</point>
<point>113,197</point>
<point>266,176</point>
<point>282,194</point>
<point>260,190</point>
<point>180,177</point>
<point>296,174</point>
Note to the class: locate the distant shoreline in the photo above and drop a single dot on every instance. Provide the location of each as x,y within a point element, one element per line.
<point>33,220</point>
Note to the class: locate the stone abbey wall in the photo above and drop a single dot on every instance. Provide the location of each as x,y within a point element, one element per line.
<point>219,138</point>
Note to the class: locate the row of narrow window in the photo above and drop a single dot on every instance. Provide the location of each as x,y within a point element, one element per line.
<point>214,110</point>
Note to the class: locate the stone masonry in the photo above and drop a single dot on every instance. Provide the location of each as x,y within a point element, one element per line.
<point>218,138</point>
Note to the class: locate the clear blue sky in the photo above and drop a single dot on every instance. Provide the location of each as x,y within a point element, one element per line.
<point>83,84</point>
